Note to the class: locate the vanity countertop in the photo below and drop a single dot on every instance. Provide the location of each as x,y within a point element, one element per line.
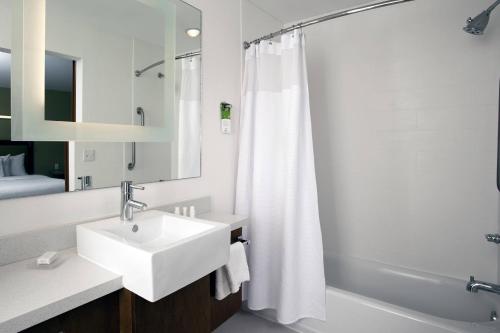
<point>234,221</point>
<point>31,295</point>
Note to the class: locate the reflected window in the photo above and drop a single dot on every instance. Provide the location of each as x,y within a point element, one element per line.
<point>60,73</point>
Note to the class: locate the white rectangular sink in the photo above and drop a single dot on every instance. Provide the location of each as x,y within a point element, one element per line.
<point>157,253</point>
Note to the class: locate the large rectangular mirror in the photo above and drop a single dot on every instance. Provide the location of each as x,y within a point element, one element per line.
<point>109,68</point>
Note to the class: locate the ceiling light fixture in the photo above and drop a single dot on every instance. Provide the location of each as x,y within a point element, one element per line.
<point>193,32</point>
<point>5,117</point>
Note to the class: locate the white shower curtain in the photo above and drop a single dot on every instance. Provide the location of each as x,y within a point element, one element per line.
<point>189,119</point>
<point>276,185</point>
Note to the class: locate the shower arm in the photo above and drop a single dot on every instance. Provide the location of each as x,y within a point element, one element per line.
<point>493,6</point>
<point>140,112</point>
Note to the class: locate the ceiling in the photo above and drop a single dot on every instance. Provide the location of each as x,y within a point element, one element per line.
<point>187,17</point>
<point>288,11</point>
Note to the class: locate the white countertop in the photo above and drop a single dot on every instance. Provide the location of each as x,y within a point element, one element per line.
<point>234,221</point>
<point>31,295</point>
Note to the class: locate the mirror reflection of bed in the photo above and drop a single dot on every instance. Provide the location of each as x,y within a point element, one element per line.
<point>27,169</point>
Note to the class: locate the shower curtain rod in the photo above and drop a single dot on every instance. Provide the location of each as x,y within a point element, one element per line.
<point>188,55</point>
<point>138,73</point>
<point>304,24</point>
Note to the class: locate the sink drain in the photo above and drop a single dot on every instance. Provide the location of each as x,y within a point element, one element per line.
<point>135,228</point>
<point>493,316</point>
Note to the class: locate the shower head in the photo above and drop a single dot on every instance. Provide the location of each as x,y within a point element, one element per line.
<point>478,24</point>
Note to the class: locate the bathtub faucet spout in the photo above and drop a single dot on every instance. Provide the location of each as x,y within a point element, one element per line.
<point>474,286</point>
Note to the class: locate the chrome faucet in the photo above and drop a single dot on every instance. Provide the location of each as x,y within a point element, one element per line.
<point>474,286</point>
<point>128,203</point>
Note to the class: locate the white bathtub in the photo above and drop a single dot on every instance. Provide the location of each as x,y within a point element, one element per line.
<point>364,296</point>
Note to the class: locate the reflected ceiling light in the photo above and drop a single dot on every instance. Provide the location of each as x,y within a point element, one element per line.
<point>193,32</point>
<point>5,117</point>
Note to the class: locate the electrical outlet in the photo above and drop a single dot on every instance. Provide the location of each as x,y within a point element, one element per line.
<point>89,155</point>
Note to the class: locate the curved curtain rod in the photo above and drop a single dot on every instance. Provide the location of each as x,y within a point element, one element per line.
<point>304,24</point>
<point>161,62</point>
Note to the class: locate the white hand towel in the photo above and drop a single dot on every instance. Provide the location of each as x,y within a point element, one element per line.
<point>237,267</point>
<point>229,278</point>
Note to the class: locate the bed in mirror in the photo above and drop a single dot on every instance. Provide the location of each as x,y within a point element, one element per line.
<point>126,81</point>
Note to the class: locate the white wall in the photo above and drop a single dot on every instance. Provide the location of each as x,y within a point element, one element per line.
<point>108,168</point>
<point>221,82</point>
<point>404,108</point>
<point>256,22</point>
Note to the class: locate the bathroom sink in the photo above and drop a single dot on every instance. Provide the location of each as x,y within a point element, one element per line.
<point>157,253</point>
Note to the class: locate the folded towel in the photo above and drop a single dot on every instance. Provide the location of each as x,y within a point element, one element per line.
<point>229,278</point>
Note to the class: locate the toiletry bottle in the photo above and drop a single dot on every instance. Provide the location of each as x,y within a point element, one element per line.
<point>192,211</point>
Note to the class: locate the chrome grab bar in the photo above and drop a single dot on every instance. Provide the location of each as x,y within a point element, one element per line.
<point>140,112</point>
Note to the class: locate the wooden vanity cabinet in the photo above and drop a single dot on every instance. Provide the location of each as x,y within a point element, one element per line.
<point>192,309</point>
<point>185,311</point>
<point>99,316</point>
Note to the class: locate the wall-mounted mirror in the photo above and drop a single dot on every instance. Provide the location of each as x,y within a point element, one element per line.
<point>105,68</point>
